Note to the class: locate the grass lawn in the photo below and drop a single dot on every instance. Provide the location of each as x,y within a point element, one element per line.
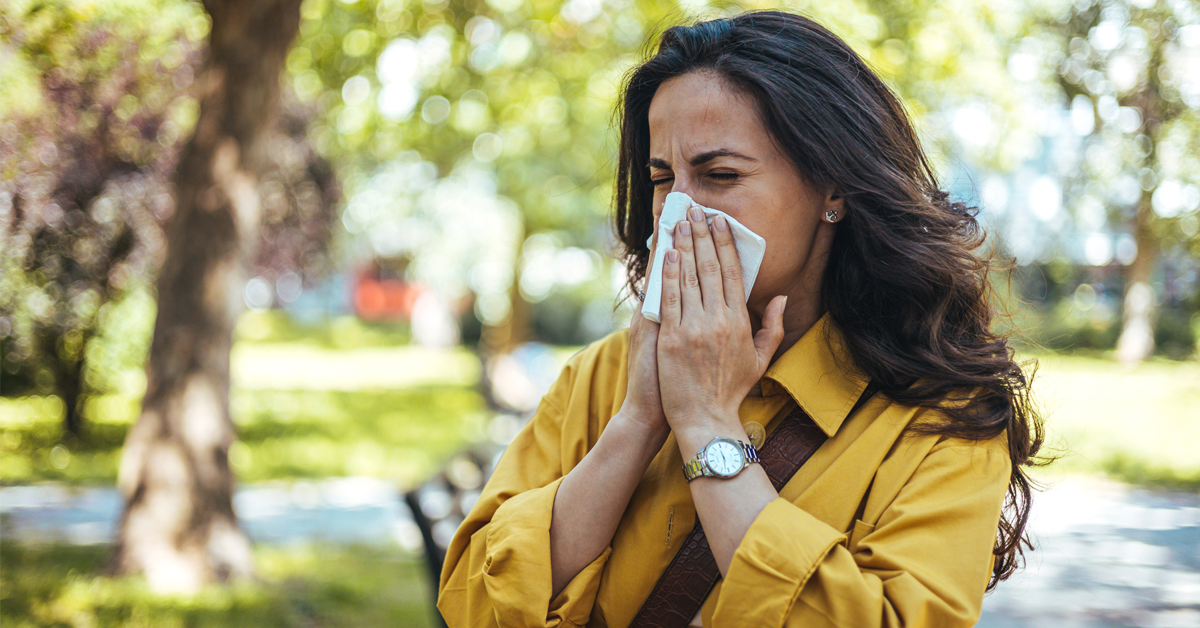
<point>309,410</point>
<point>302,411</point>
<point>301,587</point>
<point>1140,425</point>
<point>400,435</point>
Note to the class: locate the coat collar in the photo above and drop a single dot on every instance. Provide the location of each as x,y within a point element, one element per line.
<point>819,374</point>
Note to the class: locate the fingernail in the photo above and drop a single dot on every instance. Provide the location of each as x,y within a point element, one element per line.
<point>719,223</point>
<point>695,214</point>
<point>672,256</point>
<point>685,228</point>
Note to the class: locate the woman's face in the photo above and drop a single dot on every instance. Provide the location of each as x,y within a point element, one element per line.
<point>707,141</point>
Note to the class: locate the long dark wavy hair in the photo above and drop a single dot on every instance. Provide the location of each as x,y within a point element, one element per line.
<point>905,281</point>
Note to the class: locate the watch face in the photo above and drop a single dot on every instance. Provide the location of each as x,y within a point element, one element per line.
<point>724,457</point>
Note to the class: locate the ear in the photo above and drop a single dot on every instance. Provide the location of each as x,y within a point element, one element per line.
<point>833,209</point>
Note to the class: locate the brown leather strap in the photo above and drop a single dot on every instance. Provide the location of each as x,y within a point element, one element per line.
<point>692,574</point>
<point>683,587</point>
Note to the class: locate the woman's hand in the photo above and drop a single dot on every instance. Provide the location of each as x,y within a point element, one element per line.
<point>708,359</point>
<point>643,403</point>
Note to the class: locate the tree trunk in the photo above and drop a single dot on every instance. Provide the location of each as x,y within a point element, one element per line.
<point>497,341</point>
<point>503,338</point>
<point>179,526</point>
<point>1136,342</point>
<point>508,335</point>
<point>70,386</point>
<point>68,377</point>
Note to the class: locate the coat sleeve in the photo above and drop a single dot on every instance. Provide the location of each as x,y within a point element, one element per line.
<point>924,562</point>
<point>497,569</point>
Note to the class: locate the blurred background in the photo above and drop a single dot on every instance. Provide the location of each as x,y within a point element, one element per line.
<point>413,234</point>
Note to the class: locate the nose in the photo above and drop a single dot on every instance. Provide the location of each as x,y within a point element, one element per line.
<point>682,183</point>
<point>679,184</point>
<point>694,189</point>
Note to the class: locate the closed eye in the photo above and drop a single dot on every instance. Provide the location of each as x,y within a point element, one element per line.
<point>658,182</point>
<point>723,176</point>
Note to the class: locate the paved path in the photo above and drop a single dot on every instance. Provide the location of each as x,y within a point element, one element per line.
<point>1108,555</point>
<point>342,510</point>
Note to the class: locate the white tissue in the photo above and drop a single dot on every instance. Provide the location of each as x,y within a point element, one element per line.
<point>751,248</point>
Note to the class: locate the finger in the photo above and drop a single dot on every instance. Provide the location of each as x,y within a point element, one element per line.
<point>670,310</point>
<point>689,282</point>
<point>731,268</point>
<point>767,340</point>
<point>708,267</point>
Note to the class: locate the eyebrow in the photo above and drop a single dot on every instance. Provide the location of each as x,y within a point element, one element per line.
<point>655,162</point>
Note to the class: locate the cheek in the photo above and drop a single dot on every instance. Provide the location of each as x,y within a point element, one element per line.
<point>781,270</point>
<point>781,231</point>
<point>789,244</point>
<point>656,205</point>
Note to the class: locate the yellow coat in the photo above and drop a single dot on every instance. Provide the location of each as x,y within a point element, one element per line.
<point>879,528</point>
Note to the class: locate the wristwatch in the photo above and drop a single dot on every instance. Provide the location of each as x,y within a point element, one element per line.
<point>721,458</point>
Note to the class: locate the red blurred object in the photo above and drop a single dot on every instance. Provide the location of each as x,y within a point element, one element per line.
<point>384,299</point>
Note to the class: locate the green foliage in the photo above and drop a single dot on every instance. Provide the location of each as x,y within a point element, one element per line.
<point>506,106</point>
<point>115,357</point>
<point>301,586</point>
<point>1065,308</point>
<point>1175,332</point>
<point>125,66</point>
<point>99,102</point>
<point>1066,328</point>
<point>1126,71</point>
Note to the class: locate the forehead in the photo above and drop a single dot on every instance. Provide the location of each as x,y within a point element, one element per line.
<point>697,112</point>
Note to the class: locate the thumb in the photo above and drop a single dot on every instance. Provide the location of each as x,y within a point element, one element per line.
<point>767,340</point>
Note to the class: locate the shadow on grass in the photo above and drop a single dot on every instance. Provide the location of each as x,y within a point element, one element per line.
<point>1141,473</point>
<point>300,587</point>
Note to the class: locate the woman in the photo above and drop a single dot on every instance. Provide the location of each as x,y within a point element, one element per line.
<point>870,282</point>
